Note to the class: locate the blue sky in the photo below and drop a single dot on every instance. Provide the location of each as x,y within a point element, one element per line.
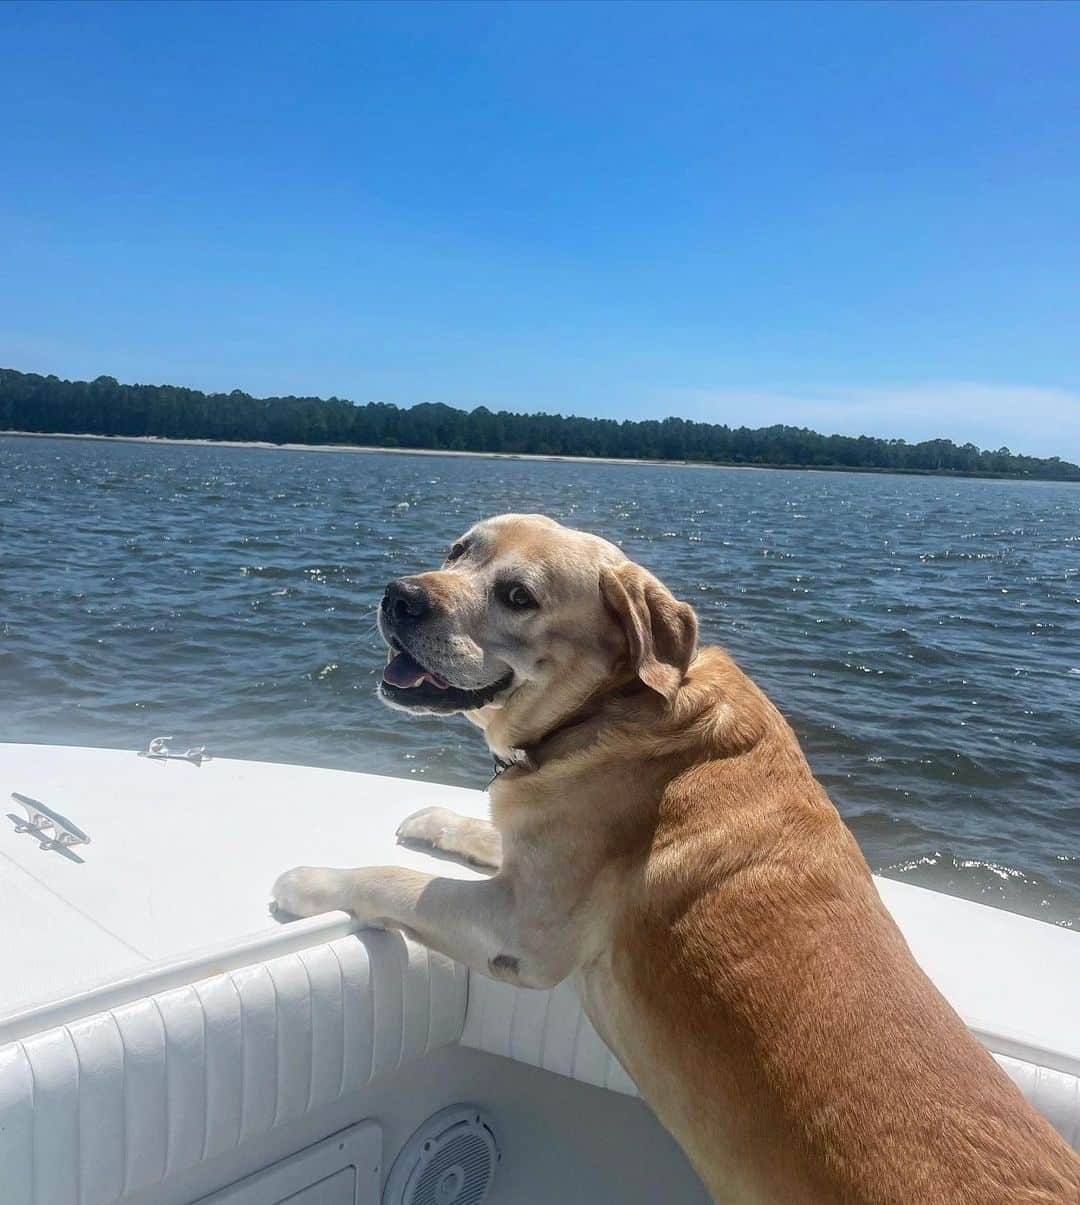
<point>858,218</point>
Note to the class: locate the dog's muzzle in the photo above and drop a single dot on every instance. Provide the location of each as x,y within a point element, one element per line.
<point>408,683</point>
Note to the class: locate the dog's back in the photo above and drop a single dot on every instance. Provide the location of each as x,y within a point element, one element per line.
<point>780,1026</point>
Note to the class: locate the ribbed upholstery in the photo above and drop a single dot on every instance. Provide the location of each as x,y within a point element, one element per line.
<point>550,1030</point>
<point>1056,1094</point>
<point>122,1100</point>
<point>546,1029</point>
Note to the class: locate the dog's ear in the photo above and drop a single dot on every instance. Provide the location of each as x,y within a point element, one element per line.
<point>661,632</point>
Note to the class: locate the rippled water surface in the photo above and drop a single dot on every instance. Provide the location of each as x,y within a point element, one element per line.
<point>921,634</point>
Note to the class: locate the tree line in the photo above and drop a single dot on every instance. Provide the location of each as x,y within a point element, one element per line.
<point>30,402</point>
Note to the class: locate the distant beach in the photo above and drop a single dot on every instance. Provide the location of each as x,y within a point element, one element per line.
<point>291,447</point>
<point>370,449</point>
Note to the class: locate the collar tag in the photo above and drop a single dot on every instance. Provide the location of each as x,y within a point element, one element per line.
<point>518,757</point>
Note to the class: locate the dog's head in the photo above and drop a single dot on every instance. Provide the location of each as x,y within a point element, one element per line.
<point>529,619</point>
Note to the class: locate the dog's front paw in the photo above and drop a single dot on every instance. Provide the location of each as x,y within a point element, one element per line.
<point>309,890</point>
<point>432,827</point>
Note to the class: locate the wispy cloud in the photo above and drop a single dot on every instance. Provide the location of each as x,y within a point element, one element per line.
<point>1026,418</point>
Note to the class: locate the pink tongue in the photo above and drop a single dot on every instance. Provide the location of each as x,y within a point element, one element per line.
<point>403,671</point>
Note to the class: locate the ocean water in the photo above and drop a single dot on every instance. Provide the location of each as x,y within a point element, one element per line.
<point>921,634</point>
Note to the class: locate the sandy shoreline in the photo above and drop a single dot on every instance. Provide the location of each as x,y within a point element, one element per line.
<point>364,448</point>
<point>371,450</point>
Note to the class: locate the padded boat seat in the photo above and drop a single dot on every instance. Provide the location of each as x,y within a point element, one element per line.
<point>126,1098</point>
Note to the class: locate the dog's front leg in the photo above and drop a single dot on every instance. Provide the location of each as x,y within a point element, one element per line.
<point>475,923</point>
<point>474,841</point>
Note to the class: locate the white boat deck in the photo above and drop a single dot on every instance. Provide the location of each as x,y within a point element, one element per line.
<point>180,863</point>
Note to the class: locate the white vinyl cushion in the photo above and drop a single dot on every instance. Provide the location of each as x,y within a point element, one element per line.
<point>1056,1094</point>
<point>546,1029</point>
<point>122,1100</point>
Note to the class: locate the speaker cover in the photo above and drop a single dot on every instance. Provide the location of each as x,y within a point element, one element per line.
<point>450,1160</point>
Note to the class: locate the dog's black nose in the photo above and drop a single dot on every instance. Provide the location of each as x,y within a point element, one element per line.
<point>405,602</point>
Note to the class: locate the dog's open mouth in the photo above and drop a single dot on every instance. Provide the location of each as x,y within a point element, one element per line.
<point>407,683</point>
<point>405,672</point>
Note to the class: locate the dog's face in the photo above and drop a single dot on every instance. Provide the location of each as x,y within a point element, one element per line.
<point>531,616</point>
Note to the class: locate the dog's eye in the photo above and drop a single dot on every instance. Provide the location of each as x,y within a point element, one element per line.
<point>515,595</point>
<point>456,551</point>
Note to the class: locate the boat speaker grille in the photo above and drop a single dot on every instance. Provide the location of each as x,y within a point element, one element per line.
<point>450,1160</point>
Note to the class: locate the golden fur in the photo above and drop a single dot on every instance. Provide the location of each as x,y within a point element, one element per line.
<point>663,840</point>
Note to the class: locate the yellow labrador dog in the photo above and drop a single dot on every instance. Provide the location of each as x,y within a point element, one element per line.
<point>658,835</point>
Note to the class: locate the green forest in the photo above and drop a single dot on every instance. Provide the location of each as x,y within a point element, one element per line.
<point>30,402</point>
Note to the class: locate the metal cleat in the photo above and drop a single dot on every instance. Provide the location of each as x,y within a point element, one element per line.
<point>52,831</point>
<point>158,750</point>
